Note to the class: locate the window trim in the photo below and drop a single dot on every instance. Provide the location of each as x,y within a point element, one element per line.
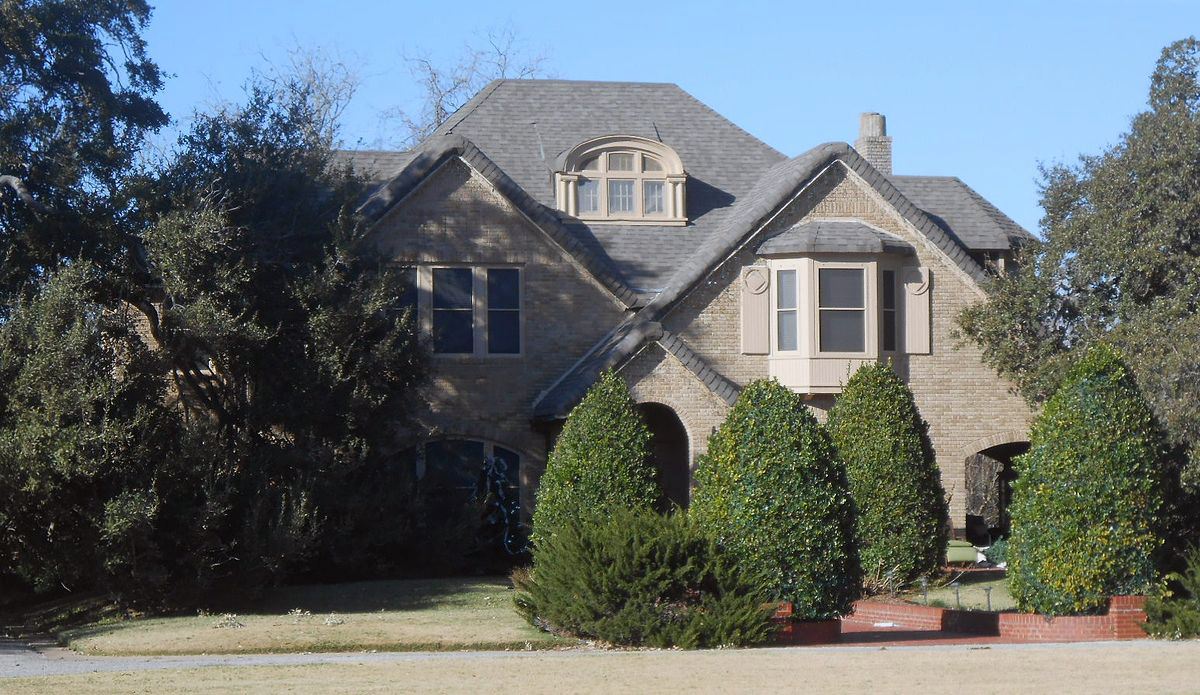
<point>570,171</point>
<point>479,309</point>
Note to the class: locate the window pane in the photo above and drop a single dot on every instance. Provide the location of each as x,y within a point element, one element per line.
<point>786,289</point>
<point>592,164</point>
<point>451,288</point>
<point>843,331</point>
<point>589,195</point>
<point>620,161</point>
<point>452,331</point>
<point>454,463</point>
<point>841,287</point>
<point>650,163</point>
<point>652,197</point>
<point>889,330</point>
<point>503,288</point>
<point>504,332</point>
<point>889,289</point>
<point>787,330</point>
<point>620,195</point>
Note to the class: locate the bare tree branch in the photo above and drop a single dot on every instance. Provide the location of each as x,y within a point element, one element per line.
<point>22,192</point>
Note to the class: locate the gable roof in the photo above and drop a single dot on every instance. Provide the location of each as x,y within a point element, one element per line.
<point>524,125</point>
<point>439,149</point>
<point>774,190</point>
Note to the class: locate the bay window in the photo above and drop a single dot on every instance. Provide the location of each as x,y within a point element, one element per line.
<point>842,310</point>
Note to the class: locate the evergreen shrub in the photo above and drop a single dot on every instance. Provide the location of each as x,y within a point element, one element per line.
<point>1088,498</point>
<point>772,490</point>
<point>902,514</point>
<point>1176,615</point>
<point>642,579</point>
<point>600,462</point>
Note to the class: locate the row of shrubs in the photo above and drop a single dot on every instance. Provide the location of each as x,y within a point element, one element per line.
<point>784,509</point>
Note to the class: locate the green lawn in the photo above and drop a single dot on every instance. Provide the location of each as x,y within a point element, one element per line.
<point>407,615</point>
<point>971,594</point>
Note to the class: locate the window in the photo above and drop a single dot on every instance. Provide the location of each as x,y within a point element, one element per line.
<point>504,311</point>
<point>622,179</point>
<point>842,309</point>
<point>453,311</point>
<point>455,471</point>
<point>887,305</point>
<point>786,320</point>
<point>476,311</point>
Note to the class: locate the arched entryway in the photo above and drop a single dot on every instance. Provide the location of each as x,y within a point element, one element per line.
<point>669,449</point>
<point>989,477</point>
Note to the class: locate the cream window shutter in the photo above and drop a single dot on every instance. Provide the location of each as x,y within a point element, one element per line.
<point>756,310</point>
<point>916,310</point>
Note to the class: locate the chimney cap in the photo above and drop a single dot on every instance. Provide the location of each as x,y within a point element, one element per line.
<point>871,124</point>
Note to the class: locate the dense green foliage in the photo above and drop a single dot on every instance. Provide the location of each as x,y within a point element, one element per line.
<point>997,552</point>
<point>895,483</point>
<point>600,462</point>
<point>1120,263</point>
<point>639,578</point>
<point>1087,502</point>
<point>228,448</point>
<point>76,101</point>
<point>772,490</point>
<point>1177,615</point>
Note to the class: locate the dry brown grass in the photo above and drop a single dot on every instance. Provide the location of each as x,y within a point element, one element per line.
<point>1144,667</point>
<point>386,616</point>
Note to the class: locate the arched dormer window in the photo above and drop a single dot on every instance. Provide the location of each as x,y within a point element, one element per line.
<point>625,179</point>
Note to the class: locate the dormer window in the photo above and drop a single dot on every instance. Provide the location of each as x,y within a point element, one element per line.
<point>630,180</point>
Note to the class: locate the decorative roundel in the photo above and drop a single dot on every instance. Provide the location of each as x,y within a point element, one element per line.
<point>755,280</point>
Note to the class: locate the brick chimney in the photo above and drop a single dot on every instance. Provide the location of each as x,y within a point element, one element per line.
<point>873,142</point>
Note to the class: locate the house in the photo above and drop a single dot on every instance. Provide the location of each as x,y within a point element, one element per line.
<point>554,229</point>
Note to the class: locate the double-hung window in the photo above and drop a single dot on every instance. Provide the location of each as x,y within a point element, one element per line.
<point>842,310</point>
<point>476,311</point>
<point>787,322</point>
<point>453,311</point>
<point>887,307</point>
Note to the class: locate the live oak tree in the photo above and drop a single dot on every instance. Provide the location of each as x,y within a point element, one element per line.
<point>1120,262</point>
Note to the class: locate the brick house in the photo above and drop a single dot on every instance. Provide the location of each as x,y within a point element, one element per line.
<point>553,229</point>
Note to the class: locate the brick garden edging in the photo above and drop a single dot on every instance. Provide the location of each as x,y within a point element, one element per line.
<point>1123,620</point>
<point>795,632</point>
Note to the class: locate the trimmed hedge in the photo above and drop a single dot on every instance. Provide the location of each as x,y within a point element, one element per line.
<point>772,490</point>
<point>902,514</point>
<point>600,462</point>
<point>639,578</point>
<point>1088,498</point>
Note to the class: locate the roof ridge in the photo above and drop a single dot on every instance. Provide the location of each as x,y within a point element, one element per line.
<point>466,109</point>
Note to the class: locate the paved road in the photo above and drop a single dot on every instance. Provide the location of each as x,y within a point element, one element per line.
<point>42,657</point>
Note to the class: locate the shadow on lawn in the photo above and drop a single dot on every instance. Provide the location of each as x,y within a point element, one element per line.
<point>368,596</point>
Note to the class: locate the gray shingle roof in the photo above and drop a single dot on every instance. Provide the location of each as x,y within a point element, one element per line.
<point>954,204</point>
<point>833,236</point>
<point>377,165</point>
<point>524,125</point>
<point>439,149</point>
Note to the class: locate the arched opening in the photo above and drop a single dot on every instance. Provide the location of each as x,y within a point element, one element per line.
<point>669,449</point>
<point>989,477</point>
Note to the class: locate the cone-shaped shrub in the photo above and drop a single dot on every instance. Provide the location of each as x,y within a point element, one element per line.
<point>894,481</point>
<point>638,578</point>
<point>601,461</point>
<point>772,490</point>
<point>1088,495</point>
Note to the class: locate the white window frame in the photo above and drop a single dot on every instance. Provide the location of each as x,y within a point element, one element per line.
<point>671,176</point>
<point>479,312</point>
<point>871,308</point>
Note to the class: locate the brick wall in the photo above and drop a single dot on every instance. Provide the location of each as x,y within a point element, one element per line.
<point>456,217</point>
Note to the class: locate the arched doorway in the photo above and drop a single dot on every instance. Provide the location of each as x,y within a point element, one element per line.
<point>989,477</point>
<point>669,449</point>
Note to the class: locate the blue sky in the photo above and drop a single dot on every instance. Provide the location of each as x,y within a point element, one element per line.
<point>982,91</point>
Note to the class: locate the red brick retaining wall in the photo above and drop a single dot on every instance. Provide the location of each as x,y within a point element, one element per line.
<point>1122,621</point>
